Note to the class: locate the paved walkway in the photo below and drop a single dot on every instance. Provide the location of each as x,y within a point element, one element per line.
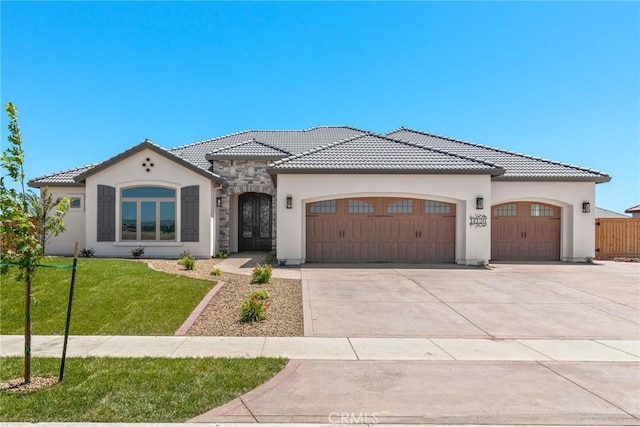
<point>345,349</point>
<point>243,263</point>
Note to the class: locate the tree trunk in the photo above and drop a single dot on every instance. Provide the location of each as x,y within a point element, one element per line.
<point>27,327</point>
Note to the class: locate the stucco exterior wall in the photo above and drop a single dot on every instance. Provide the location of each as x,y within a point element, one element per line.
<point>473,244</point>
<point>165,172</point>
<point>74,223</point>
<point>578,230</point>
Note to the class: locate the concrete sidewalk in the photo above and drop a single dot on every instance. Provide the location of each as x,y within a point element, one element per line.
<point>243,263</point>
<point>346,349</point>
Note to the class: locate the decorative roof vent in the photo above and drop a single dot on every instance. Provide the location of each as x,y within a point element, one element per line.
<point>147,164</point>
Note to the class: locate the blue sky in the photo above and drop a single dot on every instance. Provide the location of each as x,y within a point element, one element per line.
<point>556,80</point>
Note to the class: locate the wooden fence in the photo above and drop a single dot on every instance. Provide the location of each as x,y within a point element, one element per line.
<point>617,238</point>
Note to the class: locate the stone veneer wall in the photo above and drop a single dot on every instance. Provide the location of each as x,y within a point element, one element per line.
<point>243,176</point>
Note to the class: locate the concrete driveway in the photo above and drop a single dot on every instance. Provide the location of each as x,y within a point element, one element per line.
<point>555,300</point>
<point>547,370</point>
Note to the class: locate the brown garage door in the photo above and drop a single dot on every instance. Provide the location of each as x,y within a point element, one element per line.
<point>377,229</point>
<point>525,231</point>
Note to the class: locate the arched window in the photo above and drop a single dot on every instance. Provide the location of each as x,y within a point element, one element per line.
<point>148,214</point>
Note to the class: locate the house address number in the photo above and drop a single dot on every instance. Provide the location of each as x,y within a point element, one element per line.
<point>477,221</point>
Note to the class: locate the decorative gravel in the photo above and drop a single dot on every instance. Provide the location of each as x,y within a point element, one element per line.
<point>222,316</point>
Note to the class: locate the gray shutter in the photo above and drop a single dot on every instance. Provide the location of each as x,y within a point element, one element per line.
<point>106,214</point>
<point>190,213</point>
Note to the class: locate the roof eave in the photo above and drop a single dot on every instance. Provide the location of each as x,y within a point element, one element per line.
<point>317,171</point>
<point>596,179</point>
<point>36,184</point>
<point>80,178</point>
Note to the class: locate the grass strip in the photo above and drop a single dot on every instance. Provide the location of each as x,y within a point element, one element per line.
<point>131,390</point>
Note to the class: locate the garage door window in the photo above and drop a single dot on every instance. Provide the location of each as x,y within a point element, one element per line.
<point>433,207</point>
<point>358,206</point>
<point>541,210</point>
<point>403,206</point>
<point>505,210</point>
<point>325,206</point>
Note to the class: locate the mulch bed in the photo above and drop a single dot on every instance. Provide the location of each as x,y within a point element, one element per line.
<point>17,385</point>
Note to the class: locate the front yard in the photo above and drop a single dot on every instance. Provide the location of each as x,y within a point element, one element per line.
<point>112,297</point>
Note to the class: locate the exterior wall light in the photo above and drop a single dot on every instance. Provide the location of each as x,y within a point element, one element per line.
<point>479,203</point>
<point>586,207</point>
<point>218,201</point>
<point>289,202</point>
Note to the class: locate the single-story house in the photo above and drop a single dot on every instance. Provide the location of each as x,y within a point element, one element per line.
<point>634,211</point>
<point>331,194</point>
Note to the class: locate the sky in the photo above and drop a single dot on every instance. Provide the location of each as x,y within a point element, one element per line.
<point>559,80</point>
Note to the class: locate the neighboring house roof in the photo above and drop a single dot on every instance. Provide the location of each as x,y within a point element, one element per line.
<point>379,154</point>
<point>633,209</point>
<point>518,167</point>
<point>61,179</point>
<point>251,149</point>
<point>606,213</point>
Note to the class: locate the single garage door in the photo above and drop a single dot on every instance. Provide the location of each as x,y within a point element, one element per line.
<point>525,231</point>
<point>380,229</point>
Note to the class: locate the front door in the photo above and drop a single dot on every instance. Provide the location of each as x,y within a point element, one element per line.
<point>254,229</point>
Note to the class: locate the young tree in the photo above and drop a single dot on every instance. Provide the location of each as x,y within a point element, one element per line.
<point>20,245</point>
<point>46,214</point>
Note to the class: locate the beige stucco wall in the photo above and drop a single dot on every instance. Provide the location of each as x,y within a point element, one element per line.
<point>74,223</point>
<point>578,229</point>
<point>473,245</point>
<point>167,173</point>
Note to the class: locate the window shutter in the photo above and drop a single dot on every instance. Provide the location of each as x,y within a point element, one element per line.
<point>106,214</point>
<point>190,213</point>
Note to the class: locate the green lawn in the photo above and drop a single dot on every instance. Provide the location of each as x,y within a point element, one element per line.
<point>132,390</point>
<point>112,297</point>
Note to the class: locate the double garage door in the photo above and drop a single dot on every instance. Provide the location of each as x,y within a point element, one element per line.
<point>525,231</point>
<point>379,229</point>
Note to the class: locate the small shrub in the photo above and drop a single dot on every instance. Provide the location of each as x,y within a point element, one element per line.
<point>187,261</point>
<point>137,253</point>
<point>260,294</point>
<point>271,258</point>
<point>254,308</point>
<point>87,253</point>
<point>222,254</point>
<point>261,273</point>
<point>216,272</point>
<point>282,262</point>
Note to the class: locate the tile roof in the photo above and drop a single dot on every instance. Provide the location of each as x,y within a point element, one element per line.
<point>291,141</point>
<point>250,149</point>
<point>380,154</point>
<point>401,150</point>
<point>61,179</point>
<point>518,166</point>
